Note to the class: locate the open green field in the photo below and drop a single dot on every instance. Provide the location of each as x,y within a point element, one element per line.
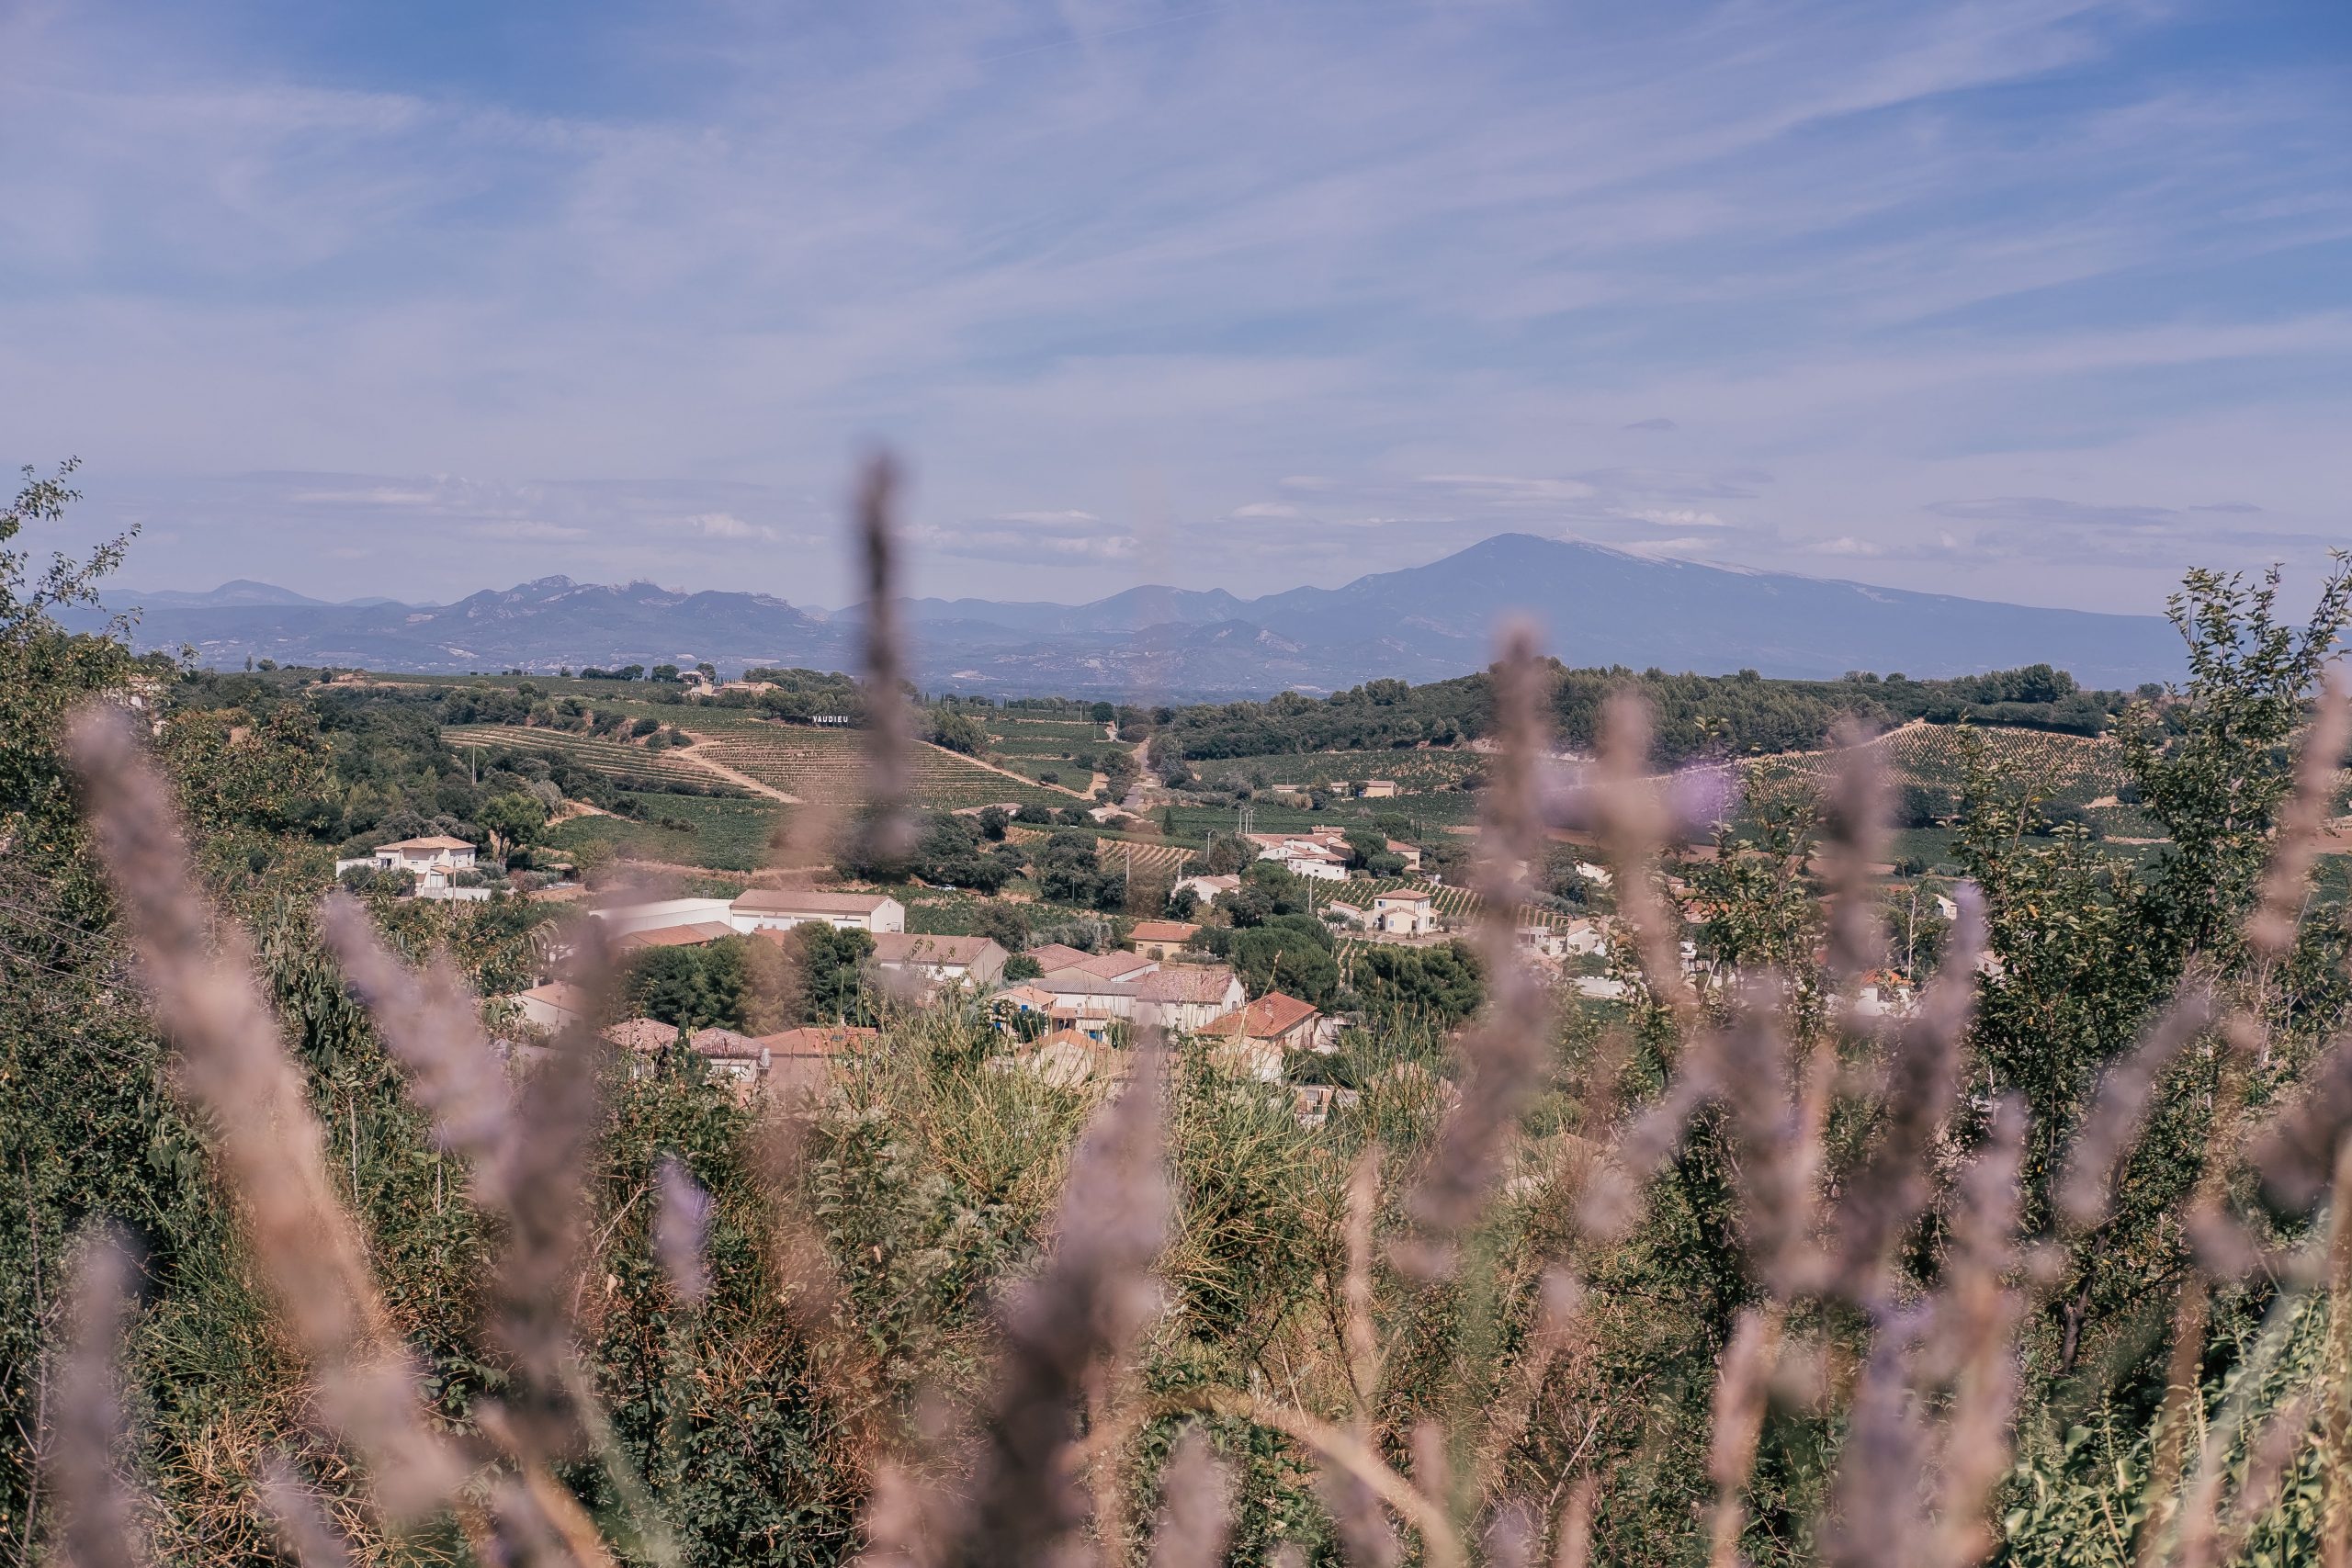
<point>724,834</point>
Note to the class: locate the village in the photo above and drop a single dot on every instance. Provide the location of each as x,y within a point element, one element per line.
<point>1067,1013</point>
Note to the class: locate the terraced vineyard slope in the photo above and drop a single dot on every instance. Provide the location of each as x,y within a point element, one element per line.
<point>828,765</point>
<point>629,766</point>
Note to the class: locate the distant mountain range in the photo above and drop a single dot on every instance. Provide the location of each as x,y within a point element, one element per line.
<point>1597,606</point>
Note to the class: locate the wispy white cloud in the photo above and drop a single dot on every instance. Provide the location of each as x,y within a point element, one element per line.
<point>1779,280</point>
<point>715,525</point>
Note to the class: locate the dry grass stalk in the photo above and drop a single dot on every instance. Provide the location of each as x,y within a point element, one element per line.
<point>1854,844</point>
<point>2335,1525</point>
<point>232,1068</point>
<point>431,1023</point>
<point>1094,1293</point>
<point>2298,1153</point>
<point>2114,1123</point>
<point>2302,824</point>
<point>1970,1341</point>
<point>302,1524</point>
<point>1893,1188</point>
<point>1573,1547</point>
<point>1362,1343</point>
<point>2207,1536</point>
<point>889,728</point>
<point>1880,1507</point>
<point>558,1111</point>
<point>96,1524</point>
<point>1741,1389</point>
<point>1778,1131</point>
<point>1341,1450</point>
<point>1507,1050</point>
<point>1365,1538</point>
<point>1634,822</point>
<point>1195,1508</point>
<point>1558,1321</point>
<point>1511,1538</point>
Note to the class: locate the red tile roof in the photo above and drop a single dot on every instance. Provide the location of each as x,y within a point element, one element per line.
<point>1186,983</point>
<point>725,1044</point>
<point>818,1042</point>
<point>911,947</point>
<point>1163,931</point>
<point>645,1034</point>
<point>1109,965</point>
<point>1271,1017</point>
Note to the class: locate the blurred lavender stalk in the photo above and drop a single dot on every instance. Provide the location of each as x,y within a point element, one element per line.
<point>1094,1293</point>
<point>97,1527</point>
<point>1506,1053</point>
<point>232,1068</point>
<point>682,1231</point>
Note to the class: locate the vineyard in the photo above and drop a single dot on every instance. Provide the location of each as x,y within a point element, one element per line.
<point>2069,768</point>
<point>1033,747</point>
<point>732,834</point>
<point>1455,906</point>
<point>1151,858</point>
<point>829,766</point>
<point>624,765</point>
<point>1154,859</point>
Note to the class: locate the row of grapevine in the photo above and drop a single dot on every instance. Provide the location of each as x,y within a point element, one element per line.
<point>2072,768</point>
<point>623,763</point>
<point>820,765</point>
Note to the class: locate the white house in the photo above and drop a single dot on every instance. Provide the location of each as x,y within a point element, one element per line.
<point>430,860</point>
<point>1404,911</point>
<point>627,920</point>
<point>1542,941</point>
<point>1207,890</point>
<point>1185,998</point>
<point>1077,998</point>
<point>781,908</point>
<point>975,961</point>
<point>1313,854</point>
<point>554,1006</point>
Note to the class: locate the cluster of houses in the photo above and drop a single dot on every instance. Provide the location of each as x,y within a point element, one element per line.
<point>1068,1018</point>
<point>1322,852</point>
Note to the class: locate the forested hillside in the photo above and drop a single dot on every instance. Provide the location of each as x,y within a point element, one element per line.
<point>1697,716</point>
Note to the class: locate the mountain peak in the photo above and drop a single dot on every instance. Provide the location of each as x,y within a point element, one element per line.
<point>1597,605</point>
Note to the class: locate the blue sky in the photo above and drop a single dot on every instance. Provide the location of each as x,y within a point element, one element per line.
<point>2033,300</point>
